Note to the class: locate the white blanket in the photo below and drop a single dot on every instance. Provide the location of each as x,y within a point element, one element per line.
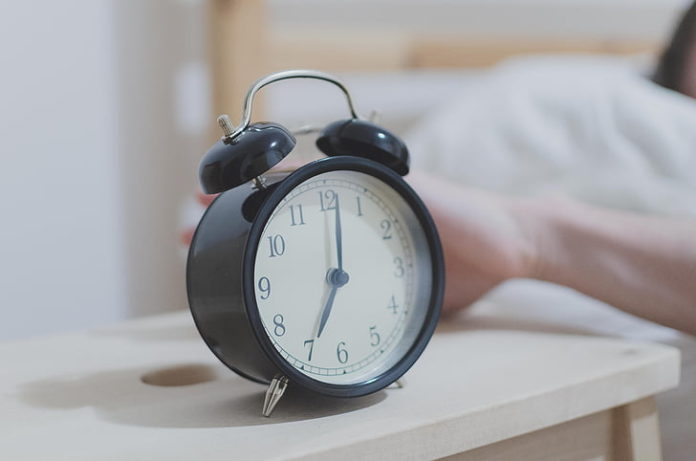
<point>592,128</point>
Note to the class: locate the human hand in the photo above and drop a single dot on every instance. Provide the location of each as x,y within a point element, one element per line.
<point>484,236</point>
<point>205,200</point>
<point>287,164</point>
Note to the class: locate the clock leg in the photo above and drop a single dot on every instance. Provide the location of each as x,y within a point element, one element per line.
<point>274,393</point>
<point>400,383</point>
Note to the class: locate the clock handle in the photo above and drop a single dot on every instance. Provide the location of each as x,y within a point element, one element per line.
<point>232,132</point>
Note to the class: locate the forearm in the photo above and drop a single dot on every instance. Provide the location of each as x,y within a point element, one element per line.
<point>643,265</point>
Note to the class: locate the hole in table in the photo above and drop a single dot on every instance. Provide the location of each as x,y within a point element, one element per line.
<point>181,375</point>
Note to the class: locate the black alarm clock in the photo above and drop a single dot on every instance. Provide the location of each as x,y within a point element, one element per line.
<point>329,277</point>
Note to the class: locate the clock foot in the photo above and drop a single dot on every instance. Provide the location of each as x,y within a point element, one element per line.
<point>274,393</point>
<point>400,383</point>
<point>258,183</point>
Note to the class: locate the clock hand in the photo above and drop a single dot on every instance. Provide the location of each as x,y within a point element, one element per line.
<point>339,237</point>
<point>327,309</point>
<point>336,278</point>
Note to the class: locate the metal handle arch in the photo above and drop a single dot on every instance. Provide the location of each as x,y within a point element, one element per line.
<point>276,77</point>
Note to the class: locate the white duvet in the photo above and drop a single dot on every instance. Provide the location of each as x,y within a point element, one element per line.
<point>591,128</point>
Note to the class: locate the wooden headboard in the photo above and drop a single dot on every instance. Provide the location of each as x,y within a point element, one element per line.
<point>251,37</point>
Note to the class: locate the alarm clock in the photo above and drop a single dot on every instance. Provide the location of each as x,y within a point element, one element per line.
<point>329,277</point>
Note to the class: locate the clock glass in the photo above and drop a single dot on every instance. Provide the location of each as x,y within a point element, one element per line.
<point>343,277</point>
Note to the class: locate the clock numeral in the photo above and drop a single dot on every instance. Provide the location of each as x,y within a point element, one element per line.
<point>277,244</point>
<point>399,270</point>
<point>360,213</point>
<point>311,348</point>
<point>279,329</point>
<point>393,306</point>
<point>299,219</point>
<point>265,287</point>
<point>342,352</point>
<point>386,226</point>
<point>374,336</point>
<point>327,200</point>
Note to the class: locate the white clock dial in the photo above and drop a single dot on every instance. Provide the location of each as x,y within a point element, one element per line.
<point>342,277</point>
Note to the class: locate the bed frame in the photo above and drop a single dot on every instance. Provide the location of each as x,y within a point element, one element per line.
<point>246,41</point>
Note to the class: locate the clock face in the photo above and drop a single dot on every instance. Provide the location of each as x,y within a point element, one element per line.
<point>343,277</point>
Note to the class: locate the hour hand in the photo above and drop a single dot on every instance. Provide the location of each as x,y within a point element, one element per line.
<point>327,309</point>
<point>336,278</point>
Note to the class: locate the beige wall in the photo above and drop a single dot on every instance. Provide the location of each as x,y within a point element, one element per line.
<point>103,108</point>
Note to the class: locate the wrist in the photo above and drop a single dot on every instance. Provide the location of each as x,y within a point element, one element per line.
<point>539,220</point>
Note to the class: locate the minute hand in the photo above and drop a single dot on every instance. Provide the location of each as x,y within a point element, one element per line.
<point>339,238</point>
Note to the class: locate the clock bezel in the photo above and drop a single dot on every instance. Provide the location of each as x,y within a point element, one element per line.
<point>391,179</point>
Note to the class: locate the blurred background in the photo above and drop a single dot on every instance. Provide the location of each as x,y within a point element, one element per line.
<point>107,105</point>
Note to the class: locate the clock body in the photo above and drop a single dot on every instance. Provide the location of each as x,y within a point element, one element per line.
<point>331,275</point>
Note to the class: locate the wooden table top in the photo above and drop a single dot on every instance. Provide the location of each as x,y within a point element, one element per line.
<point>82,396</point>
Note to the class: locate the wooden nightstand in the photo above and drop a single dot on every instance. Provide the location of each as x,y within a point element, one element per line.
<point>475,394</point>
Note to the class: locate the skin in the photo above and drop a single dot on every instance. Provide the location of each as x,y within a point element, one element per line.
<point>483,240</point>
<point>643,265</point>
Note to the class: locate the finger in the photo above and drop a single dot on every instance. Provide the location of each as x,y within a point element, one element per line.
<point>187,236</point>
<point>288,164</point>
<point>205,199</point>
